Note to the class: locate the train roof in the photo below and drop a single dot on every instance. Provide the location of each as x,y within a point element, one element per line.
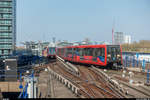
<point>85,46</point>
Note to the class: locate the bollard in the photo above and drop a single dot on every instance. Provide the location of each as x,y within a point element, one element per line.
<point>148,72</point>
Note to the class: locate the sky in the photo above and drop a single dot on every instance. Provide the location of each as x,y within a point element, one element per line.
<point>75,20</point>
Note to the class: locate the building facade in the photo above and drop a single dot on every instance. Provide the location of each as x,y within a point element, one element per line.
<point>35,47</point>
<point>118,38</point>
<point>127,39</point>
<point>7,27</point>
<point>121,38</point>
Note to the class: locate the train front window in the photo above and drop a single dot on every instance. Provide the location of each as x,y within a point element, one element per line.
<point>113,52</point>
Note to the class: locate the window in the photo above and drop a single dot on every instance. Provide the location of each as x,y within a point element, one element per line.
<point>5,9</point>
<point>5,34</point>
<point>0,52</point>
<point>77,51</point>
<point>80,51</point>
<point>89,51</point>
<point>6,40</point>
<point>113,50</point>
<point>5,28</point>
<point>99,52</point>
<point>5,22</point>
<point>6,15</point>
<point>5,51</point>
<point>5,3</point>
<point>62,51</point>
<point>6,46</point>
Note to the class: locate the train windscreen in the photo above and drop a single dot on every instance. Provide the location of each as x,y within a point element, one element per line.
<point>113,52</point>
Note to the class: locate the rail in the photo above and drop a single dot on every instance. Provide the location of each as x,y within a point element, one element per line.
<point>107,78</point>
<point>69,65</point>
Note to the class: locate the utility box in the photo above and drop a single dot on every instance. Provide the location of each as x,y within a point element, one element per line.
<point>10,70</point>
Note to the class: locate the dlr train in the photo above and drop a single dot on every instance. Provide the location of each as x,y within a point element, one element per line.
<point>49,52</point>
<point>98,55</point>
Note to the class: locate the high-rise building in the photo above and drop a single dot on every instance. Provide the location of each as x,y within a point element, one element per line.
<point>127,39</point>
<point>7,27</point>
<point>118,38</point>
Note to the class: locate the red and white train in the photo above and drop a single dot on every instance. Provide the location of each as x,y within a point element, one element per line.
<point>99,55</point>
<point>49,52</point>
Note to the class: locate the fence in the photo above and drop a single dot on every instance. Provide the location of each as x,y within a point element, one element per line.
<point>30,89</point>
<point>132,61</point>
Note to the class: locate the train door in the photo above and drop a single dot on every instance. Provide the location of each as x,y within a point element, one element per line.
<point>81,53</point>
<point>94,55</point>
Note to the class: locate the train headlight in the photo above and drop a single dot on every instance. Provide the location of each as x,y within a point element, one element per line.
<point>118,56</point>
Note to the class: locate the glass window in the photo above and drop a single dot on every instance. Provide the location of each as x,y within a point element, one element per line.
<point>5,51</point>
<point>3,15</point>
<point>5,34</point>
<point>0,52</point>
<point>6,46</point>
<point>77,52</point>
<point>99,52</point>
<point>5,9</point>
<point>5,40</point>
<point>5,28</point>
<point>5,3</point>
<point>80,51</point>
<point>5,22</point>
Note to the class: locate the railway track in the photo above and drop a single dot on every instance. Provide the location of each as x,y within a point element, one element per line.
<point>98,82</point>
<point>90,83</point>
<point>138,89</point>
<point>134,91</point>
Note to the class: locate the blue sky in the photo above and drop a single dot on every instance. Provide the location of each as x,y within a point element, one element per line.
<point>74,20</point>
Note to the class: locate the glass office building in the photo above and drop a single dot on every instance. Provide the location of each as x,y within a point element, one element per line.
<point>7,27</point>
